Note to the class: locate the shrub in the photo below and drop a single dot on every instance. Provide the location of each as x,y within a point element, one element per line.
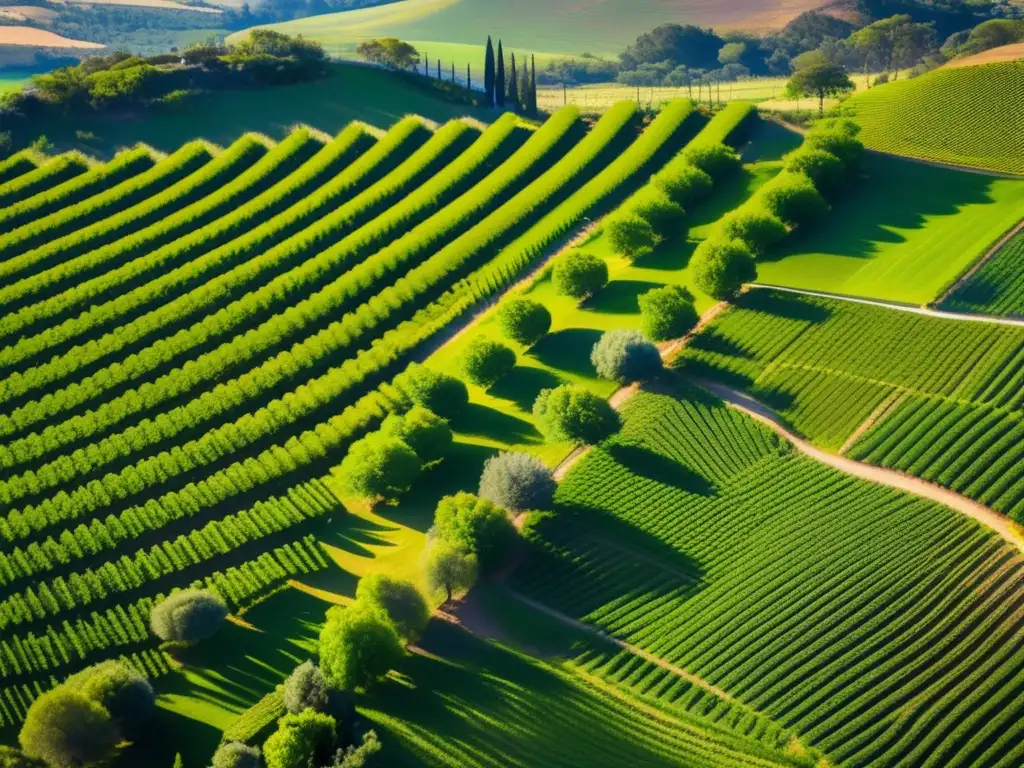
<point>631,236</point>
<point>487,361</point>
<point>579,274</point>
<point>475,525</point>
<point>306,688</point>
<point>517,481</point>
<point>756,227</point>
<point>716,160</point>
<point>425,432</point>
<point>570,413</point>
<point>120,689</point>
<point>721,267</point>
<point>379,467</point>
<point>358,645</point>
<point>399,599</point>
<point>823,168</point>
<point>794,199</point>
<point>13,758</point>
<point>235,754</point>
<point>664,215</point>
<point>188,616</point>
<point>843,125</point>
<point>524,321</point>
<point>667,312</point>
<point>625,356</point>
<point>438,392</point>
<point>449,568</point>
<point>301,740</point>
<point>836,142</point>
<point>684,184</point>
<point>64,727</point>
<point>356,757</point>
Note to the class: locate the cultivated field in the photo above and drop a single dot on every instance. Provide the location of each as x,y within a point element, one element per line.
<point>997,288</point>
<point>41,38</point>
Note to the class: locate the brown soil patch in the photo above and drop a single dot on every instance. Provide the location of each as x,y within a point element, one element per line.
<point>164,4</point>
<point>1010,52</point>
<point>40,38</point>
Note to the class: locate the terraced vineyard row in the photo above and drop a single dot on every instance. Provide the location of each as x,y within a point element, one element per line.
<point>997,288</point>
<point>883,630</point>
<point>830,366</point>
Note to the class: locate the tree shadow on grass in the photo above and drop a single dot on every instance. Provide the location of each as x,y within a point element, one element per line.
<point>522,385</point>
<point>644,462</point>
<point>787,305</point>
<point>619,297</point>
<point>568,350</point>
<point>477,420</point>
<point>672,255</point>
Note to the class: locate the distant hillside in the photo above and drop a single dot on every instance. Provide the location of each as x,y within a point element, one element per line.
<point>1010,52</point>
<point>965,116</point>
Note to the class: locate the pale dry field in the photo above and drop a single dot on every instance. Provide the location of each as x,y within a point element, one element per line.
<point>164,4</point>
<point>991,56</point>
<point>40,38</point>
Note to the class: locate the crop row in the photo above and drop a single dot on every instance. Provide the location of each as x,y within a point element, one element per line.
<point>16,165</point>
<point>50,174</point>
<point>997,288</point>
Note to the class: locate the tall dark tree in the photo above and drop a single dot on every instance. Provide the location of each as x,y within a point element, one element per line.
<point>512,97</point>
<point>524,87</point>
<point>533,85</point>
<point>499,79</point>
<point>489,72</point>
<point>469,82</point>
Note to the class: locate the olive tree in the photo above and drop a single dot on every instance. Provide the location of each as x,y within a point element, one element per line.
<point>721,267</point>
<point>422,430</point>
<point>188,616</point>
<point>441,393</point>
<point>579,274</point>
<point>625,356</point>
<point>524,321</point>
<point>403,603</point>
<point>449,568</point>
<point>358,645</point>
<point>794,199</point>
<point>235,754</point>
<point>121,689</point>
<point>570,413</point>
<point>475,525</point>
<point>517,481</point>
<point>379,467</point>
<point>631,236</point>
<point>664,215</point>
<point>306,688</point>
<point>486,361</point>
<point>667,312</point>
<point>758,228</point>
<point>65,728</point>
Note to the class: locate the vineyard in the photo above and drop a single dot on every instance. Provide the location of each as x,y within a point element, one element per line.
<point>881,630</point>
<point>997,288</point>
<point>963,116</point>
<point>940,399</point>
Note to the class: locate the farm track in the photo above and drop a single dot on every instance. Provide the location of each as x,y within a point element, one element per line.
<point>891,478</point>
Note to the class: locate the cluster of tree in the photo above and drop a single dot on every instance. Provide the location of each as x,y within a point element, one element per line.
<point>518,90</point>
<point>81,722</point>
<point>389,52</point>
<point>271,11</point>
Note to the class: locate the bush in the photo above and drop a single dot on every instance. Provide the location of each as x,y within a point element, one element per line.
<point>524,321</point>
<point>486,361</point>
<point>301,740</point>
<point>438,392</point>
<point>379,467</point>
<point>517,481</point>
<point>684,184</point>
<point>625,356</point>
<point>426,433</point>
<point>358,645</point>
<point>399,599</point>
<point>794,199</point>
<point>120,689</point>
<point>631,236</point>
<point>570,413</point>
<point>306,688</point>
<point>716,160</point>
<point>823,168</point>
<point>188,616</point>
<point>64,727</point>
<point>579,274</point>
<point>721,267</point>
<point>664,215</point>
<point>13,758</point>
<point>356,757</point>
<point>235,754</point>
<point>667,313</point>
<point>449,568</point>
<point>475,525</point>
<point>756,227</point>
<point>838,142</point>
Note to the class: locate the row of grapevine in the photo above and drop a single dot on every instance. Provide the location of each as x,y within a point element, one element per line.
<point>17,165</point>
<point>46,176</point>
<point>997,288</point>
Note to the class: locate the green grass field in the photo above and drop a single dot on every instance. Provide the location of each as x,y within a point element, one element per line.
<point>11,79</point>
<point>965,116</point>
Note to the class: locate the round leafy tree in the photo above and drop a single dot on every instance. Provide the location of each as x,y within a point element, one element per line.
<point>794,199</point>
<point>399,599</point>
<point>188,616</point>
<point>624,356</point>
<point>301,740</point>
<point>449,569</point>
<point>524,321</point>
<point>684,183</point>
<point>632,236</point>
<point>664,215</point>
<point>579,274</point>
<point>64,727</point>
<point>517,481</point>
<point>667,312</point>
<point>570,413</point>
<point>756,227</point>
<point>306,688</point>
<point>486,361</point>
<point>838,142</point>
<point>721,267</point>
<point>235,754</point>
<point>379,467</point>
<point>358,645</point>
<point>475,525</point>
<point>121,689</point>
<point>716,160</point>
<point>823,168</point>
<point>438,392</point>
<point>422,430</point>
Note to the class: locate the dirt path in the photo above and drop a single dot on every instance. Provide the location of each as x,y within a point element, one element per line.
<point>891,478</point>
<point>888,404</point>
<point>980,263</point>
<point>911,308</point>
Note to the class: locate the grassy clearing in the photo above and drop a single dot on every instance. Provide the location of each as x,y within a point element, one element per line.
<point>12,79</point>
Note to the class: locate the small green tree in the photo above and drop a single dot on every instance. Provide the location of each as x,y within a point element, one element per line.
<point>178,762</point>
<point>188,616</point>
<point>358,645</point>
<point>301,740</point>
<point>487,361</point>
<point>721,267</point>
<point>667,312</point>
<point>475,525</point>
<point>632,236</point>
<point>625,356</point>
<point>570,413</point>
<point>120,689</point>
<point>449,568</point>
<point>822,80</point>
<point>823,168</point>
<point>716,160</point>
<point>758,228</point>
<point>66,729</point>
<point>847,147</point>
<point>794,199</point>
<point>422,430</point>
<point>390,52</point>
<point>379,467</point>
<point>399,599</point>
<point>235,754</point>
<point>665,216</point>
<point>684,183</point>
<point>306,688</point>
<point>524,321</point>
<point>439,392</point>
<point>579,274</point>
<point>517,481</point>
<point>354,756</point>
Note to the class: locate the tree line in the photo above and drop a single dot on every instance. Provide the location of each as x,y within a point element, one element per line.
<point>517,90</point>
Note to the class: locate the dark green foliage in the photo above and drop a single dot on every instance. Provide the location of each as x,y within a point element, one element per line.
<point>188,616</point>
<point>475,525</point>
<point>837,141</point>
<point>512,94</point>
<point>625,356</point>
<point>631,236</point>
<point>449,568</point>
<point>306,688</point>
<point>422,430</point>
<point>358,756</point>
<point>756,227</point>
<point>663,214</point>
<point>820,79</point>
<point>438,392</point>
<point>794,199</point>
<point>667,313</point>
<point>716,160</point>
<point>489,72</point>
<point>570,413</point>
<point>524,321</point>
<point>486,361</point>
<point>579,274</point>
<point>517,481</point>
<point>823,168</point>
<point>121,689</point>
<point>14,758</point>
<point>400,600</point>
<point>379,467</point>
<point>67,729</point>
<point>358,645</point>
<point>390,52</point>
<point>683,183</point>
<point>303,740</point>
<point>499,78</point>
<point>721,267</point>
<point>234,754</point>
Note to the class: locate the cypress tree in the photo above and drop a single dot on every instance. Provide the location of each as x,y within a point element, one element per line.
<point>499,79</point>
<point>453,71</point>
<point>524,87</point>
<point>438,69</point>
<point>513,86</point>
<point>469,83</point>
<point>533,85</point>
<point>489,73</point>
